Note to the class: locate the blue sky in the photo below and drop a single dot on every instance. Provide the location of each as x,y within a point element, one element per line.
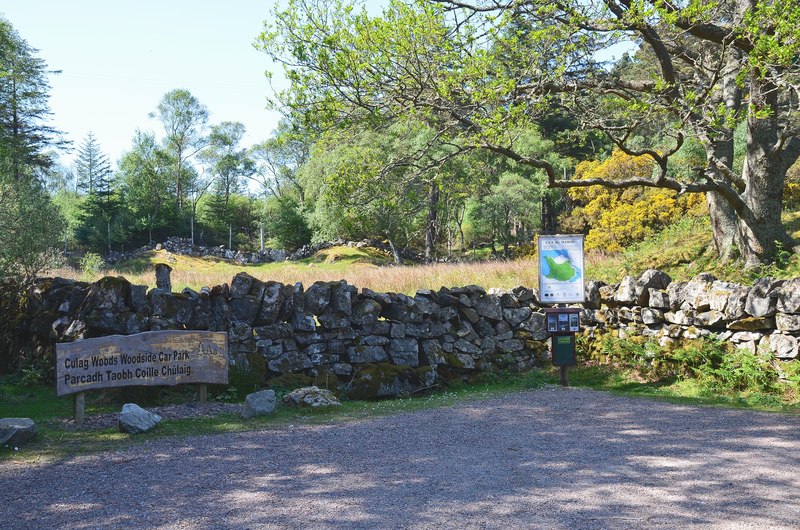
<point>119,57</point>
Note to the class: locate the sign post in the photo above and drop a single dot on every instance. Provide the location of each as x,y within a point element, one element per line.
<point>153,358</point>
<point>561,281</point>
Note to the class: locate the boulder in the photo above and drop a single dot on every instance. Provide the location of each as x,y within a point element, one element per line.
<point>719,295</point>
<point>737,300</point>
<point>259,404</point>
<point>653,279</point>
<point>695,294</point>
<point>16,431</point>
<point>789,297</point>
<point>489,307</point>
<point>752,324</point>
<point>627,293</point>
<point>783,346</point>
<point>658,298</point>
<point>135,420</point>
<point>317,297</point>
<point>592,294</point>
<point>786,322</point>
<point>311,396</point>
<point>404,352</point>
<point>515,317</point>
<point>762,301</point>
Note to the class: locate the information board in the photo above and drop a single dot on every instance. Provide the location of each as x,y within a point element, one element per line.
<point>561,270</point>
<point>151,358</point>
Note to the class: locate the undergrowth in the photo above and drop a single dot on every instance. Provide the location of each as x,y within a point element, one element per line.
<point>702,368</point>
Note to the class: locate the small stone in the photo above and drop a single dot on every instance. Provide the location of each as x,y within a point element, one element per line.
<point>311,397</point>
<point>16,431</point>
<point>259,404</point>
<point>135,420</point>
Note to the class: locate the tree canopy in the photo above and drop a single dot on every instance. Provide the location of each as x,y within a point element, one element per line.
<point>479,72</point>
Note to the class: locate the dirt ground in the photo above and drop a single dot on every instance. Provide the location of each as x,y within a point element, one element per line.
<point>550,458</point>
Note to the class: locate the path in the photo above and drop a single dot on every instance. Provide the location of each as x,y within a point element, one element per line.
<point>550,458</point>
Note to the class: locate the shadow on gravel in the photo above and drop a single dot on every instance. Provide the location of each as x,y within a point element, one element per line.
<point>561,458</point>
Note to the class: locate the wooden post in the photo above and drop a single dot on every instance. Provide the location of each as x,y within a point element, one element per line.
<point>202,394</point>
<point>79,408</point>
<point>563,371</point>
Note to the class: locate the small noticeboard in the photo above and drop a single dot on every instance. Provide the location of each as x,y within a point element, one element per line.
<point>561,279</point>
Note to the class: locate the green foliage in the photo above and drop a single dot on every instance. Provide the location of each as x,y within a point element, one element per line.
<point>711,367</point>
<point>31,226</point>
<point>91,264</point>
<point>285,223</point>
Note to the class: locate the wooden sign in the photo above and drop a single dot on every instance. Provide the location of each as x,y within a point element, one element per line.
<point>151,358</point>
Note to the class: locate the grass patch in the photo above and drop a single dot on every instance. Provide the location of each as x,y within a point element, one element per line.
<point>54,442</point>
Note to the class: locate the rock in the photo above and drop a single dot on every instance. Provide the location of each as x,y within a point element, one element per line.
<point>366,354</point>
<point>259,404</point>
<point>736,303</point>
<point>271,302</point>
<point>653,279</point>
<point>311,397</point>
<point>783,346</point>
<point>696,293</point>
<point>786,322</point>
<point>536,326</point>
<point>627,292</point>
<point>515,317</point>
<point>342,296</point>
<point>680,317</point>
<point>658,299</point>
<point>366,312</point>
<point>16,431</point>
<point>789,297</point>
<point>752,324</point>
<point>467,347</point>
<point>710,319</point>
<point>607,295</point>
<point>240,285</point>
<point>592,294</point>
<point>719,295</point>
<point>652,316</point>
<point>489,307</point>
<point>387,380</point>
<point>317,297</point>
<point>762,301</point>
<point>404,352</point>
<point>135,420</point>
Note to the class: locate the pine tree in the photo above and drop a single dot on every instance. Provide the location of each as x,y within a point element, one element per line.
<point>92,168</point>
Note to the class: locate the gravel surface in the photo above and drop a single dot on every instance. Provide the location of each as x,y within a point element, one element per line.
<point>550,458</point>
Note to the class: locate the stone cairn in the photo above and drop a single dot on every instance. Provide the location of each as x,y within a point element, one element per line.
<point>368,344</point>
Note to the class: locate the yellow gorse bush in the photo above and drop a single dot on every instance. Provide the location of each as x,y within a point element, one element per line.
<point>615,218</point>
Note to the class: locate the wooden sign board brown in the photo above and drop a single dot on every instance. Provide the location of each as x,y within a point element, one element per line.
<point>152,358</point>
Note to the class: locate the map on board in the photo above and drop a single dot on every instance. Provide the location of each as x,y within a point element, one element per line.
<point>561,269</point>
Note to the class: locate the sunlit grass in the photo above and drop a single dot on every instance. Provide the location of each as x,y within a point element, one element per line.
<point>360,267</point>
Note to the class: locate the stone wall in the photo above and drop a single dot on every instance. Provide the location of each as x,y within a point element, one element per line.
<point>382,344</point>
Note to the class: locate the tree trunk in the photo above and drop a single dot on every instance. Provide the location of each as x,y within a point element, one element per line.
<point>722,215</point>
<point>398,260</point>
<point>760,226</point>
<point>723,226</point>
<point>433,212</point>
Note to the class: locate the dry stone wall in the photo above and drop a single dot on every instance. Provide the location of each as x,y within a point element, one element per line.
<point>371,344</point>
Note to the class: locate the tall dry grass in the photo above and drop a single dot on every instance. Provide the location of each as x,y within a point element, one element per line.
<point>402,279</point>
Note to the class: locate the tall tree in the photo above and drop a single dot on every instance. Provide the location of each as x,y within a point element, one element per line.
<point>229,164</point>
<point>278,159</point>
<point>461,66</point>
<point>184,119</point>
<point>146,178</point>
<point>25,134</point>
<point>92,169</point>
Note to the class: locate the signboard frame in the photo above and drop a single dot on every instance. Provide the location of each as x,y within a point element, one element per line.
<point>553,291</point>
<point>152,358</point>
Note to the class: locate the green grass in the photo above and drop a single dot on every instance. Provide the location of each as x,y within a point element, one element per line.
<point>686,391</point>
<point>55,442</point>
